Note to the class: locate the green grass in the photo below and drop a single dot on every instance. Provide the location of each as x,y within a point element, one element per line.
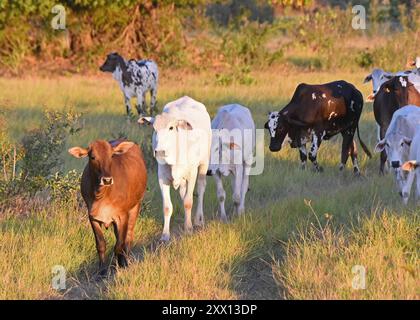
<point>263,255</point>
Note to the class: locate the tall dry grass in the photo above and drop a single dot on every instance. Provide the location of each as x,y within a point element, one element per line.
<point>219,261</point>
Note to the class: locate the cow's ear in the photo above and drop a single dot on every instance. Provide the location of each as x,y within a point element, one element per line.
<point>146,120</point>
<point>233,146</point>
<point>368,78</point>
<point>370,98</point>
<point>123,147</point>
<point>410,165</point>
<point>185,125</point>
<point>380,146</point>
<point>411,63</point>
<point>407,141</point>
<point>78,152</point>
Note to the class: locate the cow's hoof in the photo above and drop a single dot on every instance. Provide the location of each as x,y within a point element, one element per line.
<point>189,230</point>
<point>356,173</point>
<point>101,274</point>
<point>164,238</point>
<point>198,226</point>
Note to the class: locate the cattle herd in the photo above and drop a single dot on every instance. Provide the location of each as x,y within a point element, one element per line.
<point>188,146</point>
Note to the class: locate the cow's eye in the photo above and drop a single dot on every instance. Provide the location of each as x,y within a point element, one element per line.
<point>92,157</point>
<point>402,144</point>
<point>171,128</point>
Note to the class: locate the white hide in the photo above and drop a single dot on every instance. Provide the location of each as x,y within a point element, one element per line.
<point>232,153</point>
<point>412,166</point>
<point>396,141</point>
<point>181,142</point>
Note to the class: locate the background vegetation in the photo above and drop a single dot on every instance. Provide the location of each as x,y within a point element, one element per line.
<point>229,36</point>
<point>302,232</point>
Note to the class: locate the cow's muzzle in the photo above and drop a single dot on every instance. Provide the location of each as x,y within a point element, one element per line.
<point>160,153</point>
<point>395,164</point>
<point>275,148</point>
<point>107,181</point>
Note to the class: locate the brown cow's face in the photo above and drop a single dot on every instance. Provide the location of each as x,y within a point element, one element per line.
<point>398,86</point>
<point>100,155</point>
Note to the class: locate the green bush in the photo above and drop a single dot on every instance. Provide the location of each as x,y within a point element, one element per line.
<point>364,59</point>
<point>43,146</point>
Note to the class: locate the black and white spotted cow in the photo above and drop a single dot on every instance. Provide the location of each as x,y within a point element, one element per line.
<point>135,78</point>
<point>317,113</point>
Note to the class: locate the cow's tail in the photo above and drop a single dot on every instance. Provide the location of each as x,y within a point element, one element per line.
<point>364,147</point>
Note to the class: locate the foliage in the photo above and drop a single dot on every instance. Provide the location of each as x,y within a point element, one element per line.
<point>64,187</point>
<point>177,34</point>
<point>43,146</point>
<point>364,59</point>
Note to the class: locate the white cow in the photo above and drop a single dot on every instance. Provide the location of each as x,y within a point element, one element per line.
<point>181,144</point>
<point>232,152</point>
<point>397,141</point>
<point>379,77</point>
<point>413,166</point>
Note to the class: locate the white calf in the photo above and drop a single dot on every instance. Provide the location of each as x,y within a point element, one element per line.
<point>397,141</point>
<point>232,150</point>
<point>413,166</point>
<point>181,144</point>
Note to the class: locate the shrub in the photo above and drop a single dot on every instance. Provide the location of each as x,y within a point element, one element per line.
<point>43,146</point>
<point>364,59</point>
<point>64,187</point>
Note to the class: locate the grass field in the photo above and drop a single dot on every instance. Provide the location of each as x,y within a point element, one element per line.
<point>301,236</point>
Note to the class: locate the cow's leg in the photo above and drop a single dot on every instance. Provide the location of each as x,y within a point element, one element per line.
<point>120,231</point>
<point>167,209</point>
<point>354,154</point>
<point>237,187</point>
<point>201,188</point>
<point>188,201</point>
<point>132,218</point>
<point>100,245</point>
<point>221,195</point>
<point>316,143</point>
<point>127,105</point>
<point>303,156</point>
<point>383,153</point>
<point>141,102</point>
<point>417,172</point>
<point>406,188</point>
<point>153,99</point>
<point>244,189</point>
<point>345,149</point>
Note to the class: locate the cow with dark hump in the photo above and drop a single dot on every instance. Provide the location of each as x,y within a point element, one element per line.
<point>317,113</point>
<point>392,95</point>
<point>113,184</point>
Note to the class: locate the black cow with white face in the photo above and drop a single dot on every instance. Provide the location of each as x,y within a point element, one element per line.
<point>317,113</point>
<point>135,78</point>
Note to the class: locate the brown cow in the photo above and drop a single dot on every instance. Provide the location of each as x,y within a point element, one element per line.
<point>113,184</point>
<point>392,95</point>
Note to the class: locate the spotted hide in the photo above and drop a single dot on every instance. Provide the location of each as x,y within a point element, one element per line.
<point>135,78</point>
<point>317,113</point>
